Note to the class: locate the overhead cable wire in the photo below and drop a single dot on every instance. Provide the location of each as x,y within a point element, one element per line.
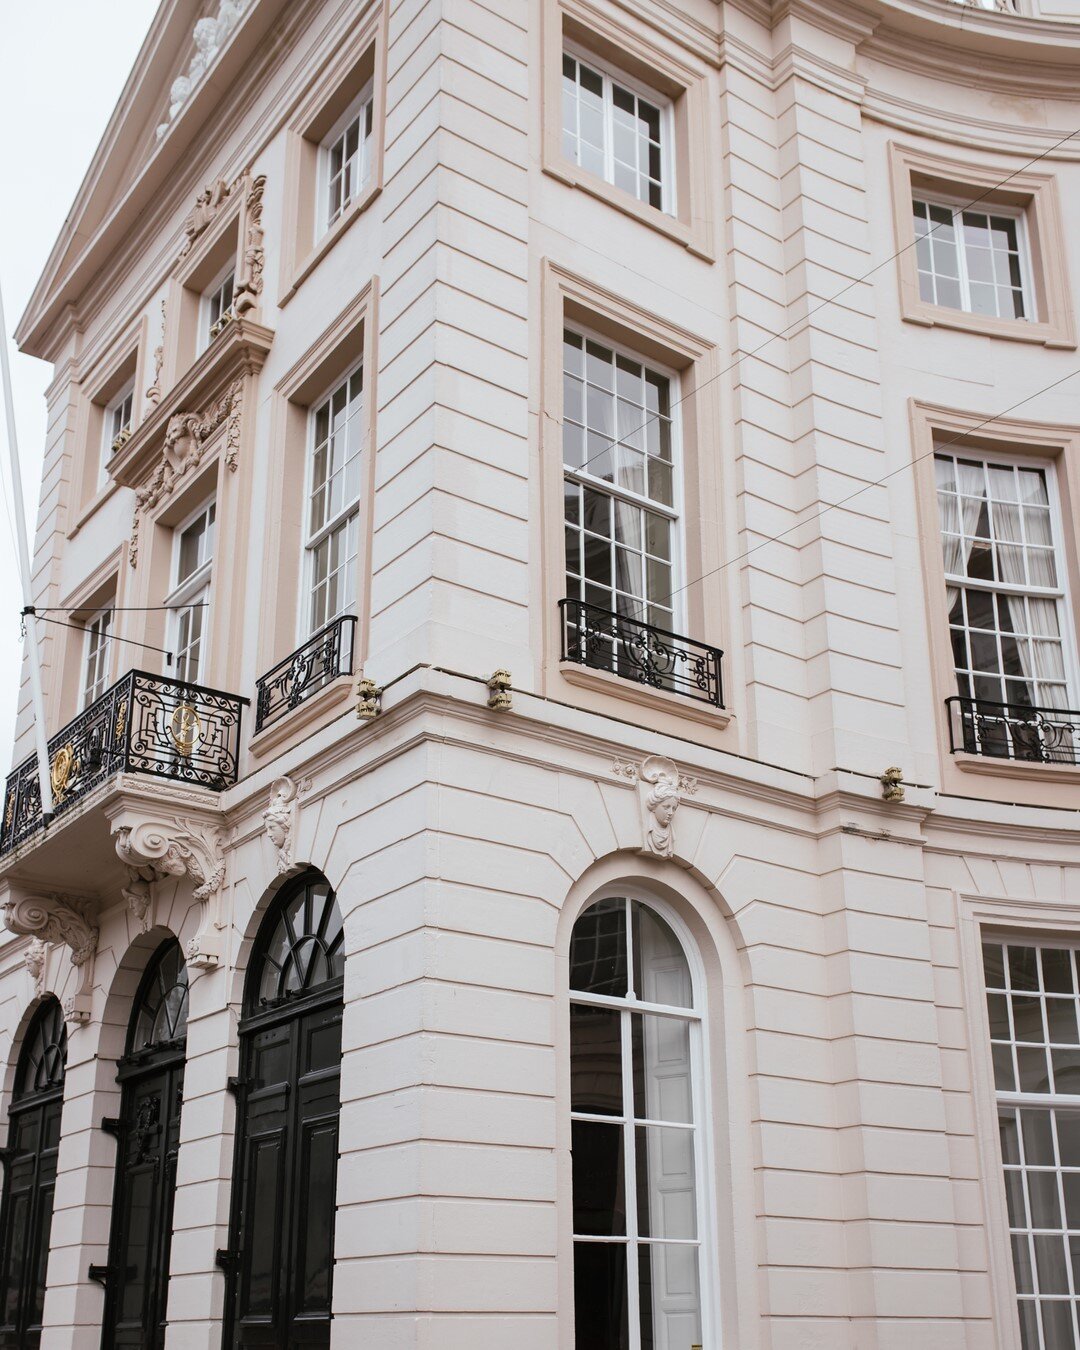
<point>78,628</point>
<point>823,304</point>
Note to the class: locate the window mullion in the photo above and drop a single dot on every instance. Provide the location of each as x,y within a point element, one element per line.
<point>609,128</point>
<point>630,1173</point>
<point>961,259</point>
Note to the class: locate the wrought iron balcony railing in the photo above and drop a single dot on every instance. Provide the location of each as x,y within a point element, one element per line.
<point>603,640</point>
<point>322,658</point>
<point>144,724</point>
<point>1011,731</point>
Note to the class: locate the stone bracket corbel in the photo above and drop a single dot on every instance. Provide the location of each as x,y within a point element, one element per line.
<point>152,850</point>
<point>59,919</point>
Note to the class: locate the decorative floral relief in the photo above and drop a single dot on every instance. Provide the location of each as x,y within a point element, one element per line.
<point>250,283</point>
<point>185,444</point>
<point>153,394</point>
<point>210,35</point>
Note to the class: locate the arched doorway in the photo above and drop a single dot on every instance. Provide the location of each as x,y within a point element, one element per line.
<point>30,1177</point>
<point>285,1176</point>
<point>152,1078</point>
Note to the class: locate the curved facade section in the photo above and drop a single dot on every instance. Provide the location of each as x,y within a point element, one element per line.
<point>609,474</point>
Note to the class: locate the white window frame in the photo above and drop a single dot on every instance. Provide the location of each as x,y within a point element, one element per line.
<point>101,653</point>
<point>1061,594</point>
<point>357,109</point>
<point>697,1019</point>
<point>611,74</point>
<point>184,593</point>
<point>956,205</point>
<point>206,301</point>
<point>108,435</point>
<point>675,513</point>
<point>310,541</point>
<point>1056,1101</point>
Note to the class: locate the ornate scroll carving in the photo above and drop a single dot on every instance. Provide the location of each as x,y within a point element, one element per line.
<point>60,919</point>
<point>250,282</point>
<point>279,818</point>
<point>185,444</point>
<point>173,848</point>
<point>153,394</point>
<point>207,204</point>
<point>35,964</point>
<point>661,788</point>
<point>53,918</point>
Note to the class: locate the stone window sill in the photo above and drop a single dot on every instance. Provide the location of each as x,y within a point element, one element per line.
<point>644,695</point>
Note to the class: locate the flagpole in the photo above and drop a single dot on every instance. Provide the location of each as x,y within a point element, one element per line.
<point>37,698</point>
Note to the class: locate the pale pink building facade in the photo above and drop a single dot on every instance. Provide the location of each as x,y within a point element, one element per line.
<point>452,390</point>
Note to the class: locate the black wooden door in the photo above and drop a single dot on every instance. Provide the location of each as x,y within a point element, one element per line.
<point>286,1182</point>
<point>30,1157</point>
<point>138,1271</point>
<point>34,1138</point>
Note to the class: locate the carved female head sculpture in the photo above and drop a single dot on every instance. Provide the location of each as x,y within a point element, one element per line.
<point>661,802</point>
<point>278,819</point>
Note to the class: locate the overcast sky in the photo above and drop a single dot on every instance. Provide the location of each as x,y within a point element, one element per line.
<point>63,64</point>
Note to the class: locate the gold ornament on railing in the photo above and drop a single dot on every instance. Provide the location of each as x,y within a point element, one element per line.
<point>62,770</point>
<point>185,729</point>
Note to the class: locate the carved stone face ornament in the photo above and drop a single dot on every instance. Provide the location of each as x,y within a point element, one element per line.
<point>278,819</point>
<point>661,787</point>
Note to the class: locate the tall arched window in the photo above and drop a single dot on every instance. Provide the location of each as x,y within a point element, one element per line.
<point>635,1100</point>
<point>285,1178</point>
<point>30,1177</point>
<point>152,1078</point>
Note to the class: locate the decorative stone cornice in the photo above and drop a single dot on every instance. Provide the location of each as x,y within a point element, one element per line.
<point>186,438</point>
<point>178,846</point>
<point>240,350</point>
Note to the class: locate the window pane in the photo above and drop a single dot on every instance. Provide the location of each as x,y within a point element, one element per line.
<point>661,974</point>
<point>662,1083</point>
<point>598,1173</point>
<point>666,1193</point>
<point>598,950</point>
<point>595,1061</point>
<point>600,1296</point>
<point>670,1299</point>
